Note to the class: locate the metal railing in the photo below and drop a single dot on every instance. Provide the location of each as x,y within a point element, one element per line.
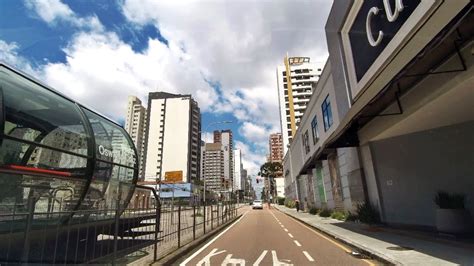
<point>107,235</point>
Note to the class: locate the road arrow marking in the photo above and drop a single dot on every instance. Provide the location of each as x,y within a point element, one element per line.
<point>257,262</point>
<point>229,260</point>
<point>277,262</point>
<point>206,261</point>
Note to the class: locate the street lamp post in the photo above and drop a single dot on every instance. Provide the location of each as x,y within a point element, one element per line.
<point>207,127</point>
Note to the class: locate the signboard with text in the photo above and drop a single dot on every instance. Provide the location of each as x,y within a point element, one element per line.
<point>173,176</point>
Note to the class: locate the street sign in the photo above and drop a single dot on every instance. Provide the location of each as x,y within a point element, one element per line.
<point>173,176</point>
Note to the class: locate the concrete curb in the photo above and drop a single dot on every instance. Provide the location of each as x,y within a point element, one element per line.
<point>360,247</point>
<point>174,256</point>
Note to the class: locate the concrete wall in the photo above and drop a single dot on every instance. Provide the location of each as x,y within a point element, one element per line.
<point>351,178</point>
<point>330,204</point>
<point>411,168</point>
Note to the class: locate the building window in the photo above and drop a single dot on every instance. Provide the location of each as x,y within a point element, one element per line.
<point>327,114</point>
<point>306,142</point>
<point>314,130</point>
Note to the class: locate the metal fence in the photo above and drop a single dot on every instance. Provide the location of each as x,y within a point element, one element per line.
<point>106,236</point>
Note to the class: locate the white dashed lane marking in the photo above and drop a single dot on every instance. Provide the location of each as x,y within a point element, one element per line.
<point>290,235</point>
<point>286,230</point>
<point>308,256</point>
<point>297,243</point>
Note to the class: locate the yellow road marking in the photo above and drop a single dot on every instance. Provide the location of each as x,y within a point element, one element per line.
<point>328,239</point>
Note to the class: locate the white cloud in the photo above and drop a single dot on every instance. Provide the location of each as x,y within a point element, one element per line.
<point>55,11</point>
<point>100,66</point>
<point>9,55</point>
<point>236,44</point>
<point>239,44</point>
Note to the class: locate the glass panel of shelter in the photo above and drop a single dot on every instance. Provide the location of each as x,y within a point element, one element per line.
<point>43,150</point>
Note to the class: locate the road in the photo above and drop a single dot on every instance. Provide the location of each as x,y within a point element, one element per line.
<point>269,237</point>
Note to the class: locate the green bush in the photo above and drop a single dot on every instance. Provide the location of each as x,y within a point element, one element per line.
<point>351,217</point>
<point>281,200</point>
<point>325,213</point>
<point>367,213</point>
<point>445,200</point>
<point>313,210</point>
<point>338,215</point>
<point>290,203</point>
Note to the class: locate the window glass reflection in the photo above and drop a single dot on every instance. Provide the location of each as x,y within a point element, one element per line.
<point>36,114</point>
<point>111,142</point>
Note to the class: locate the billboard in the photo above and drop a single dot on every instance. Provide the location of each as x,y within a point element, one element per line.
<point>173,176</point>
<point>183,190</point>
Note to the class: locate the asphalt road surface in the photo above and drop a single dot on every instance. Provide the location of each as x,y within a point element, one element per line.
<point>269,237</point>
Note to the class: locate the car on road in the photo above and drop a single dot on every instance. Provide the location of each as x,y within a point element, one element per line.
<point>257,204</point>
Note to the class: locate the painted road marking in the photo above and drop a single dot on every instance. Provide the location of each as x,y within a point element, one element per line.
<point>207,260</point>
<point>281,225</point>
<point>290,235</point>
<point>277,262</point>
<point>257,262</point>
<point>286,230</point>
<point>308,256</point>
<point>229,260</point>
<point>212,241</point>
<point>297,243</point>
<point>325,237</point>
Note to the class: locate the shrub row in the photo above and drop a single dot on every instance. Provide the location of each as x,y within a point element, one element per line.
<point>365,213</point>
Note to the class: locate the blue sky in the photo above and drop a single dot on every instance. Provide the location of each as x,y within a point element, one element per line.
<point>224,53</point>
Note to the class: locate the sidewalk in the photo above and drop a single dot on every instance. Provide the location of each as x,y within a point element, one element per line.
<point>380,241</point>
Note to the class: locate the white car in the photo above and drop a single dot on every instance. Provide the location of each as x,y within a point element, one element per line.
<point>257,204</point>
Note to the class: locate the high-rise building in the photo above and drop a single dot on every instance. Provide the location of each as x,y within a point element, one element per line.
<point>239,181</point>
<point>295,80</point>
<point>213,166</point>
<point>225,138</point>
<point>173,138</point>
<point>275,146</point>
<point>135,125</point>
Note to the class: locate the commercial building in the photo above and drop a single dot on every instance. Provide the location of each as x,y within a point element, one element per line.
<point>213,166</point>
<point>275,147</point>
<point>135,125</point>
<point>391,121</point>
<point>173,140</point>
<point>225,138</point>
<point>295,81</point>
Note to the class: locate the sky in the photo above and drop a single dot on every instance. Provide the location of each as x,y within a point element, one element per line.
<point>224,53</point>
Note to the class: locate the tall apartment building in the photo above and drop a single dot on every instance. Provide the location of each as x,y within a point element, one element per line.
<point>295,81</point>
<point>275,147</point>
<point>173,138</point>
<point>135,125</point>
<point>239,181</point>
<point>213,166</point>
<point>225,138</point>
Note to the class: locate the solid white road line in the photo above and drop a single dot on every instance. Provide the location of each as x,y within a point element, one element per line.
<point>286,230</point>
<point>290,235</point>
<point>257,262</point>
<point>212,241</point>
<point>297,243</point>
<point>308,256</point>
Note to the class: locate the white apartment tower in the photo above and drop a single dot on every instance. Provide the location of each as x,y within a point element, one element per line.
<point>239,181</point>
<point>135,125</point>
<point>295,80</point>
<point>213,166</point>
<point>225,138</point>
<point>173,137</point>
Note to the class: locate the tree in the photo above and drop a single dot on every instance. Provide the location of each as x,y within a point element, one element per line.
<point>271,170</point>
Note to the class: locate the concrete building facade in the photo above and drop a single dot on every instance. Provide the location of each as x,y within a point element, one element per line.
<point>295,81</point>
<point>275,147</point>
<point>225,138</point>
<point>213,166</point>
<point>135,125</point>
<point>391,120</point>
<point>173,137</point>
